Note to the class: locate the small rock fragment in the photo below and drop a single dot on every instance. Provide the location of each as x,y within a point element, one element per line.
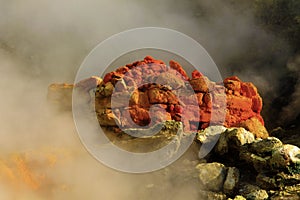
<point>253,192</point>
<point>232,179</point>
<point>208,195</point>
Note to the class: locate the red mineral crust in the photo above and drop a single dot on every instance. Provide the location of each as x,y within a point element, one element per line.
<point>152,85</point>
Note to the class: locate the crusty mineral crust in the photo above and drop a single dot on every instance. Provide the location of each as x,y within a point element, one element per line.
<point>243,103</point>
<point>234,103</point>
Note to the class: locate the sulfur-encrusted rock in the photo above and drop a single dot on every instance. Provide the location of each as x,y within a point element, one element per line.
<point>212,176</point>
<point>257,195</point>
<point>255,126</point>
<point>238,197</point>
<point>253,192</point>
<point>271,155</point>
<point>233,138</point>
<point>208,195</point>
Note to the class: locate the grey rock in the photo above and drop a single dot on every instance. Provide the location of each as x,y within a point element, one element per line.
<point>227,138</point>
<point>232,179</point>
<point>286,157</point>
<point>240,136</point>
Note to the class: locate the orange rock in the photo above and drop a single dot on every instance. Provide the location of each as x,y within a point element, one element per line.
<point>237,102</point>
<point>241,100</point>
<point>159,96</point>
<point>175,65</point>
<point>139,115</point>
<point>200,84</point>
<point>196,74</point>
<point>255,126</point>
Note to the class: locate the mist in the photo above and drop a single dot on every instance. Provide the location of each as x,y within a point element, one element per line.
<point>42,42</point>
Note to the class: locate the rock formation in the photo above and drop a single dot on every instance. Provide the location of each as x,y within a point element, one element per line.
<point>152,84</point>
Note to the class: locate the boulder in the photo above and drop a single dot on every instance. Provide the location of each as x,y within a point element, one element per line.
<point>233,139</point>
<point>212,176</point>
<point>233,103</point>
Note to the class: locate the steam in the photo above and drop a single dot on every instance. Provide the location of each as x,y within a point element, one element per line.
<point>45,41</point>
<point>291,111</point>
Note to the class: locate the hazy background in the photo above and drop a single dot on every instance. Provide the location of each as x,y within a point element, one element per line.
<point>43,41</point>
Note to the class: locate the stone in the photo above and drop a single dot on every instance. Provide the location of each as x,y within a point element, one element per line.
<point>258,195</point>
<point>286,157</point>
<point>107,89</point>
<point>259,163</point>
<point>270,155</point>
<point>233,138</point>
<point>253,192</point>
<point>238,197</point>
<point>266,182</point>
<point>208,138</point>
<point>169,79</point>
<point>211,131</point>
<point>254,125</point>
<point>212,176</point>
<point>89,83</point>
<point>177,67</point>
<point>167,133</point>
<point>239,136</point>
<point>106,117</point>
<point>159,96</point>
<point>265,147</point>
<point>200,84</point>
<point>208,195</point>
<point>232,180</point>
<point>233,83</point>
